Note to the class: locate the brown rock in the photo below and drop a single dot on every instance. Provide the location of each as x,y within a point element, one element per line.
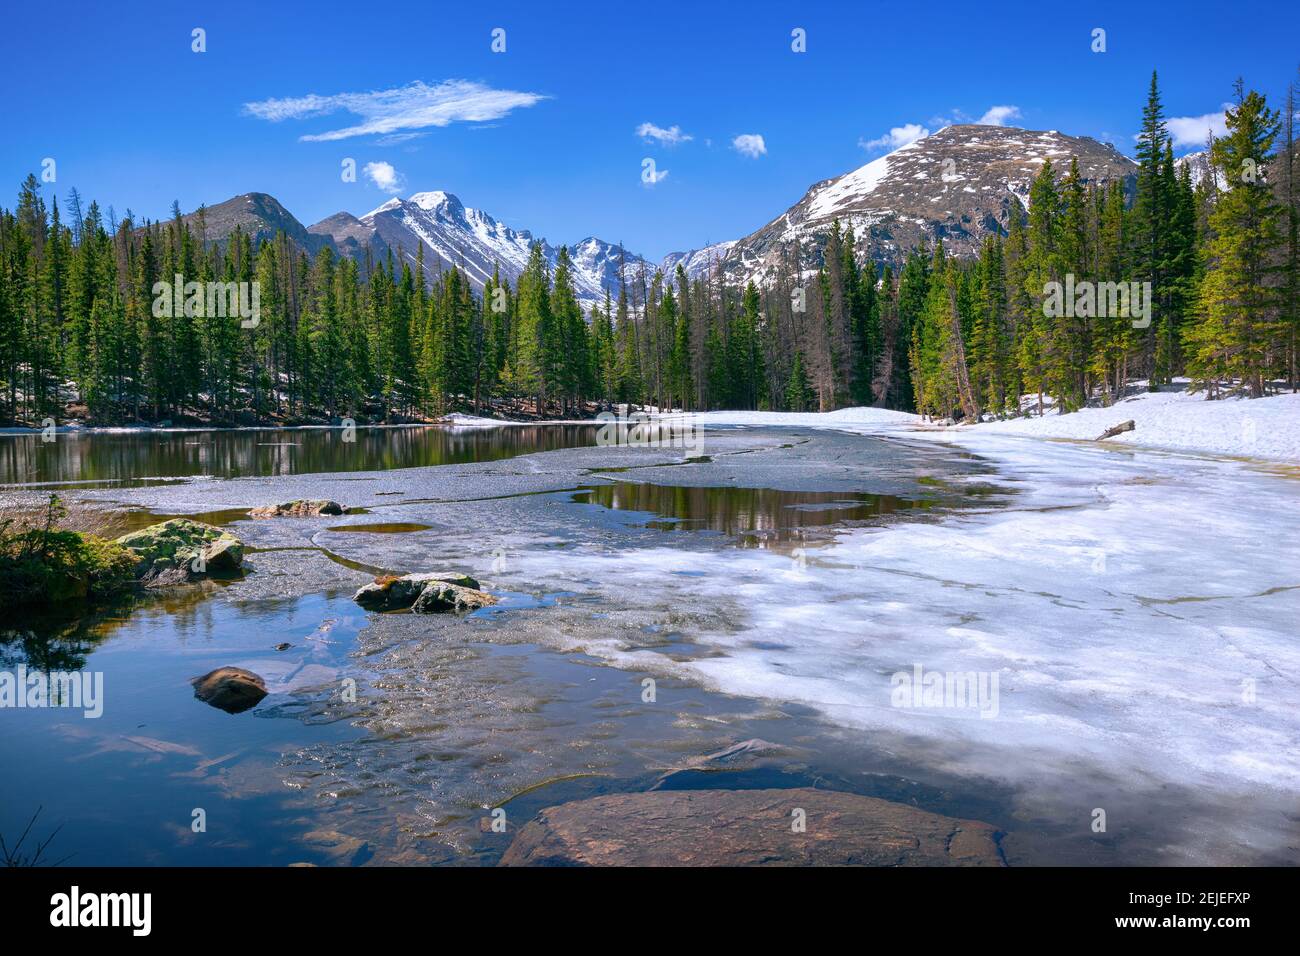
<point>439,596</point>
<point>748,828</point>
<point>302,508</point>
<point>231,689</point>
<point>390,593</point>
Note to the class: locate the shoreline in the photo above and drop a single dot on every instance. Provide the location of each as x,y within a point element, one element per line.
<point>1263,429</point>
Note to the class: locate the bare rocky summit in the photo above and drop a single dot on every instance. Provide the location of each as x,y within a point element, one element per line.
<point>957,185</point>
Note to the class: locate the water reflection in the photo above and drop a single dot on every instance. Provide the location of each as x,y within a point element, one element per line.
<point>136,458</point>
<point>760,517</point>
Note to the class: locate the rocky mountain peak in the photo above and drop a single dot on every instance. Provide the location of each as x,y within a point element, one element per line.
<point>957,185</point>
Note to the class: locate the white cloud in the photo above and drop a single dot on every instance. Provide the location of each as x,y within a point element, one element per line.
<point>652,176</point>
<point>384,176</point>
<point>897,137</point>
<point>749,144</point>
<point>1194,130</point>
<point>998,115</point>
<point>396,139</point>
<point>414,106</point>
<point>664,137</point>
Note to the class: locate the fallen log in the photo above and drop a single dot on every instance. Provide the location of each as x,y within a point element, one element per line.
<point>1119,429</point>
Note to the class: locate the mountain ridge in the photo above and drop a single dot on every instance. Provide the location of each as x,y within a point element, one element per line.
<point>972,172</point>
<point>957,185</point>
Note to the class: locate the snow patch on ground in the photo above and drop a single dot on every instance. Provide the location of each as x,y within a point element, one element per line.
<point>458,420</point>
<point>1256,428</point>
<point>1174,421</point>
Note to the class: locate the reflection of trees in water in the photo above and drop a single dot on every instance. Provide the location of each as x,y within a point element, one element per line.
<point>62,640</point>
<point>743,510</point>
<point>233,454</point>
<point>47,647</point>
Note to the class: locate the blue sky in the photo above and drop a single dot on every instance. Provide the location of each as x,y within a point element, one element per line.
<point>545,135</point>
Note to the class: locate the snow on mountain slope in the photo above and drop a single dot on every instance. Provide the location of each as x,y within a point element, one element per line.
<point>697,262</point>
<point>456,235</point>
<point>1198,165</point>
<point>957,185</point>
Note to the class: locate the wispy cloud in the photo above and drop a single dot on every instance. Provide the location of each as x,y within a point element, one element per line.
<point>396,139</point>
<point>653,176</point>
<point>998,115</point>
<point>385,176</point>
<point>671,136</point>
<point>897,137</point>
<point>749,144</point>
<point>1194,130</point>
<point>412,107</point>
<point>900,136</point>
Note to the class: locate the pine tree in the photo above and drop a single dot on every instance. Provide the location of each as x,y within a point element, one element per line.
<point>1241,333</point>
<point>799,394</point>
<point>1150,214</point>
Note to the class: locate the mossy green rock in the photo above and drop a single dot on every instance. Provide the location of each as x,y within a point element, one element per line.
<point>180,550</point>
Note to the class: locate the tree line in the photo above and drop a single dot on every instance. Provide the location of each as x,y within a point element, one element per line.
<point>377,339</point>
<point>1220,260</point>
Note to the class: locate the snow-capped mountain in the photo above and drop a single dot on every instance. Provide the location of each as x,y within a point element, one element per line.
<point>697,262</point>
<point>454,234</point>
<point>1198,163</point>
<point>596,266</point>
<point>957,184</point>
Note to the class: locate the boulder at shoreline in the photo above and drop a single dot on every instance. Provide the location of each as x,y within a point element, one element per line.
<point>181,550</point>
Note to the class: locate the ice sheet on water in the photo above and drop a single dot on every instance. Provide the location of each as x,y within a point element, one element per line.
<point>1138,610</point>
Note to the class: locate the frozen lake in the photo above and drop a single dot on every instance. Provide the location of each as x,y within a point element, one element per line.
<point>1109,630</point>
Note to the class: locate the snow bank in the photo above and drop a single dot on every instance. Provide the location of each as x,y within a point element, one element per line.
<point>1181,421</point>
<point>457,420</point>
<point>873,417</point>
<point>1173,421</point>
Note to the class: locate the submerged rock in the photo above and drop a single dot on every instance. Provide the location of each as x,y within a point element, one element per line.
<point>749,828</point>
<point>302,508</point>
<point>231,689</point>
<point>399,593</point>
<point>747,754</point>
<point>182,550</point>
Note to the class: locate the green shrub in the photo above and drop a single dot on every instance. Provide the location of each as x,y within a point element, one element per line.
<point>40,564</point>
